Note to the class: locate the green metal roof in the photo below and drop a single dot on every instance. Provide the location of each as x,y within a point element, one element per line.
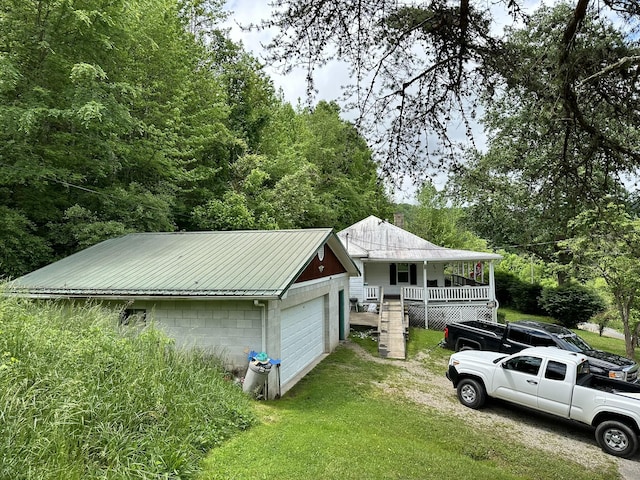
<point>260,263</point>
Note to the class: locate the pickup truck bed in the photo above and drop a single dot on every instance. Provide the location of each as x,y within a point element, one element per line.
<point>485,327</point>
<point>605,384</point>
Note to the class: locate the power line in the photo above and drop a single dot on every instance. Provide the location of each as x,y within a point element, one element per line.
<point>89,190</point>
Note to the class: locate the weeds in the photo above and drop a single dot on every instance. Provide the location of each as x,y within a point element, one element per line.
<point>79,399</point>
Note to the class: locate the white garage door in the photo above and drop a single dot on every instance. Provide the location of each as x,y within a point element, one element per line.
<point>302,337</point>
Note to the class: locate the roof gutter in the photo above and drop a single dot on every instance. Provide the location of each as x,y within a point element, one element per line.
<point>134,296</point>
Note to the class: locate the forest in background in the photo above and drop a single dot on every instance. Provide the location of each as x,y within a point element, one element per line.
<point>129,116</point>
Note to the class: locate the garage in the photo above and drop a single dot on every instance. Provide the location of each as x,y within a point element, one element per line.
<point>302,336</point>
<point>227,293</point>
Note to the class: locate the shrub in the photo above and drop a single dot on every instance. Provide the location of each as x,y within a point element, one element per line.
<point>571,304</point>
<point>513,292</point>
<point>504,283</point>
<point>83,400</point>
<point>525,298</point>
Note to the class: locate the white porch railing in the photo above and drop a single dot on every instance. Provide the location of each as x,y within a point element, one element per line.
<point>435,294</point>
<point>413,293</point>
<point>447,294</point>
<point>371,293</point>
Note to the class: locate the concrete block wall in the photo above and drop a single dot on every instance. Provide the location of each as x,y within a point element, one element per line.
<point>232,328</point>
<point>227,328</point>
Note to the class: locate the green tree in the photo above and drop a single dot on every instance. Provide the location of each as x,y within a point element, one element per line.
<point>547,160</point>
<point>310,169</point>
<point>21,248</point>
<point>348,186</point>
<point>112,119</point>
<point>437,220</point>
<point>418,68</point>
<point>607,245</point>
<point>60,111</point>
<point>120,116</point>
<point>526,268</point>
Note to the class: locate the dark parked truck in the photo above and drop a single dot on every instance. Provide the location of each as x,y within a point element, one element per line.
<point>516,336</point>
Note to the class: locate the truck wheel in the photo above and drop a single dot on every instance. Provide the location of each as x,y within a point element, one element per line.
<point>461,347</point>
<point>617,439</point>
<point>471,393</point>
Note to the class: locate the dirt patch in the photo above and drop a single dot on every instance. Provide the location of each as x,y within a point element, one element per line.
<point>416,383</point>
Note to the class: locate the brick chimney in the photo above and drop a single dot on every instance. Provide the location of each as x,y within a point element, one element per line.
<point>398,220</point>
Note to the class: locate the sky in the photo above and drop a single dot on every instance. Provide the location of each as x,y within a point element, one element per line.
<point>329,79</point>
<point>293,85</point>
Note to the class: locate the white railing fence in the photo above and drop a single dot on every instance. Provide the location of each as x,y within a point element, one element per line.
<point>458,293</point>
<point>371,293</point>
<point>435,294</point>
<point>413,293</point>
<point>447,294</point>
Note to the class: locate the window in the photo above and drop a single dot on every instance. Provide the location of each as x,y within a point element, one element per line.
<point>519,336</point>
<point>133,316</point>
<point>583,374</point>
<point>541,340</point>
<point>555,371</point>
<point>403,273</point>
<point>524,364</point>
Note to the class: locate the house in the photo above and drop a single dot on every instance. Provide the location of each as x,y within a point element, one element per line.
<point>282,291</point>
<point>445,284</point>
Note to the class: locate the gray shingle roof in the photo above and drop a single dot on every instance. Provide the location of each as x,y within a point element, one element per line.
<point>376,239</point>
<point>201,264</point>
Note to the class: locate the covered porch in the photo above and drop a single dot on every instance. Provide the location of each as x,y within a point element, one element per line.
<point>447,297</point>
<point>442,282</point>
<point>439,282</point>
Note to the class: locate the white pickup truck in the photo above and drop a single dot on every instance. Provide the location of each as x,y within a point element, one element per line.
<point>553,381</point>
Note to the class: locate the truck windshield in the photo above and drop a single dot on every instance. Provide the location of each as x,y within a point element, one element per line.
<point>574,343</point>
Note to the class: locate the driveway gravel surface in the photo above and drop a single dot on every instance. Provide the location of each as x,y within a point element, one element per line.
<point>416,383</point>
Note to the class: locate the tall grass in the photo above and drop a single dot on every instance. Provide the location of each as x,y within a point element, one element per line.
<point>80,399</point>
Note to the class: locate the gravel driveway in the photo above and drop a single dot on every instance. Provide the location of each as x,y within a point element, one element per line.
<point>542,431</point>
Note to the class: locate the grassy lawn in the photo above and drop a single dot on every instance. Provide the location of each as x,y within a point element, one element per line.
<point>339,424</point>
<point>513,315</point>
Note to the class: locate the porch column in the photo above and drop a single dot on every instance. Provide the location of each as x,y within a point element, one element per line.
<point>492,293</point>
<point>425,294</point>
